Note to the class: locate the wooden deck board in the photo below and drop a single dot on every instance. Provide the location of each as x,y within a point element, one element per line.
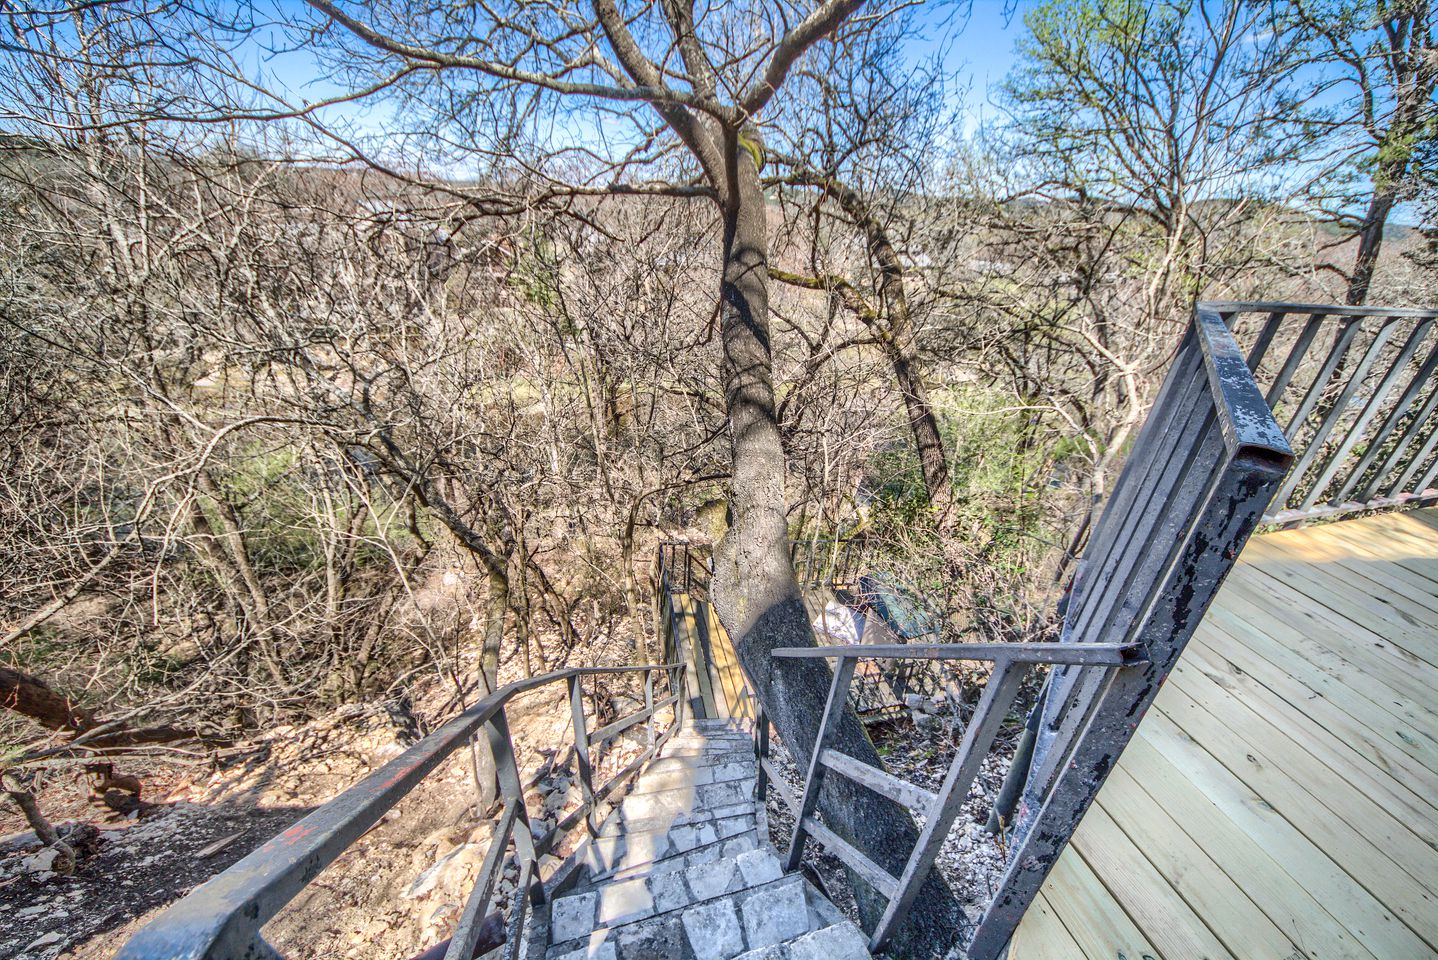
<point>1281,798</point>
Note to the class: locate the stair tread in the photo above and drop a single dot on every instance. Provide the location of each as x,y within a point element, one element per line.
<point>680,871</point>
<point>632,852</point>
<point>697,914</point>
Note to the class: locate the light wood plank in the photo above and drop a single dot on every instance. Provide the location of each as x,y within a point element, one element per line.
<point>1427,517</point>
<point>1092,917</point>
<point>1265,880</point>
<point>1286,781</point>
<point>1345,631</point>
<point>1284,772</point>
<point>687,623</point>
<point>1380,871</point>
<point>1335,752</point>
<point>1381,666</point>
<point>1154,906</point>
<point>1414,631</point>
<point>1393,717</point>
<point>1233,918</point>
<point>1307,689</point>
<point>1367,918</point>
<point>1377,563</point>
<point>1043,937</point>
<point>1375,579</point>
<point>1414,557</point>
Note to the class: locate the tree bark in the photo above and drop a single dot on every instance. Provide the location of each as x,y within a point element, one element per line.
<point>31,697</point>
<point>754,588</point>
<point>897,337</point>
<point>1370,243</point>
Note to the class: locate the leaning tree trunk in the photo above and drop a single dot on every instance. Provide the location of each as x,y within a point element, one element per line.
<point>754,589</point>
<point>1370,242</point>
<point>897,338</point>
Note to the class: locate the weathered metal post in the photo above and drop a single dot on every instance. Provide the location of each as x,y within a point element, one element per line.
<point>838,697</point>
<point>581,751</point>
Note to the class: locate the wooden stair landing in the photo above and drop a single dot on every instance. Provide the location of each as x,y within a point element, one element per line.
<point>1280,800</point>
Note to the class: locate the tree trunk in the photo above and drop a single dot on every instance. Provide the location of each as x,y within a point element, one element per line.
<point>1370,242</point>
<point>31,697</point>
<point>496,608</point>
<point>898,342</point>
<point>754,588</point>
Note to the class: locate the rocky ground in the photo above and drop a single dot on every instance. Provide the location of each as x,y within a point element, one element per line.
<point>917,745</point>
<point>395,892</point>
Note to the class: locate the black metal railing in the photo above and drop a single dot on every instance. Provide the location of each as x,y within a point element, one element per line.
<point>222,920</point>
<point>1207,462</point>
<point>682,567</point>
<point>1011,664</point>
<point>1354,391</point>
<point>829,561</point>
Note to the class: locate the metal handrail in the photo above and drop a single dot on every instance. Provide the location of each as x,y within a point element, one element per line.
<point>1011,661</point>
<point>221,920</point>
<point>1354,391</point>
<point>1207,461</point>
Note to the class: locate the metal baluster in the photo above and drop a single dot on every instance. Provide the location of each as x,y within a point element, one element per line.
<point>511,788</point>
<point>833,707</point>
<point>1319,384</point>
<point>1295,357</point>
<point>1355,432</point>
<point>761,751</point>
<point>1259,351</point>
<point>581,750</point>
<point>1331,420</point>
<point>466,931</point>
<point>519,911</point>
<point>1395,416</point>
<point>1410,433</point>
<point>999,695</point>
<point>649,705</point>
<point>676,685</point>
<point>1401,486</point>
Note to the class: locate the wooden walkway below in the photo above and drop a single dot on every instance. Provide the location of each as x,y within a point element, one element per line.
<point>717,684</point>
<point>1281,797</point>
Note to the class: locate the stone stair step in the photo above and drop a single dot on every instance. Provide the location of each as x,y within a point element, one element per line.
<point>709,912</point>
<point>840,941</point>
<point>708,745</point>
<point>628,850</point>
<point>661,816</point>
<point>720,849</point>
<point>702,755</point>
<point>668,773</point>
<point>686,798</point>
<point>715,723</point>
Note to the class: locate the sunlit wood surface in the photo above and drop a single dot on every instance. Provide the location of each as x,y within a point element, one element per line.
<point>1281,798</point>
<point>712,660</point>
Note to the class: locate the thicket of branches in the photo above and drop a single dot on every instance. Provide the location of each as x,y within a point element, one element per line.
<point>290,418</point>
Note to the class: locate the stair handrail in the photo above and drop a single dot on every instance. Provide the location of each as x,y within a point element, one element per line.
<point>1353,389</point>
<point>222,919</point>
<point>1011,663</point>
<point>1207,462</point>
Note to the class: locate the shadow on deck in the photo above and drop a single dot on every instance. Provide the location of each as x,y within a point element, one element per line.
<point>1281,797</point>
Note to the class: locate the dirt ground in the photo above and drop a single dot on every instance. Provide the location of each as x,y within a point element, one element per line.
<point>395,892</point>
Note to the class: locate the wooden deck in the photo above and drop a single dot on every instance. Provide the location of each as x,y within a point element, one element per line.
<point>1281,797</point>
<point>717,680</point>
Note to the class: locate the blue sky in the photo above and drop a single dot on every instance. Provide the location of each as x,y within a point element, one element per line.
<point>977,41</point>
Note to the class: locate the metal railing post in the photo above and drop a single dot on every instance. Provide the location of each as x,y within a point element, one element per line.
<point>511,787</point>
<point>999,695</point>
<point>581,750</point>
<point>649,706</point>
<point>833,707</point>
<point>761,750</point>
